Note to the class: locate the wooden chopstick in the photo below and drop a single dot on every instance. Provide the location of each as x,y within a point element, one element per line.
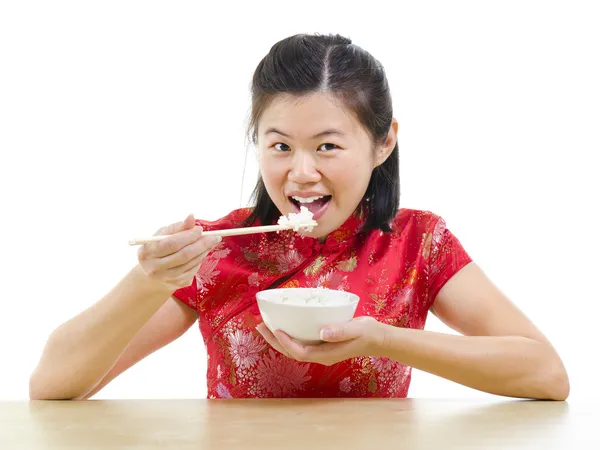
<point>229,232</point>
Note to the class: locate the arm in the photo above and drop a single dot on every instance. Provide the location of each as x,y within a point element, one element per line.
<point>170,322</point>
<point>82,351</point>
<point>85,353</point>
<point>500,352</point>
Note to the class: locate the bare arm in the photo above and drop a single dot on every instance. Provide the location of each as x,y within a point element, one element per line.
<point>85,351</point>
<point>171,321</point>
<point>501,351</point>
<point>81,351</point>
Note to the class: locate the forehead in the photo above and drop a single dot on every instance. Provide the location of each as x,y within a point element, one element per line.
<point>308,115</point>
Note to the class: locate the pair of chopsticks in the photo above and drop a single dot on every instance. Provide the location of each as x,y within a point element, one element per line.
<point>230,232</point>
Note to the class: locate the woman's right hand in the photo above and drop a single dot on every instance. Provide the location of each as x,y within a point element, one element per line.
<point>174,261</point>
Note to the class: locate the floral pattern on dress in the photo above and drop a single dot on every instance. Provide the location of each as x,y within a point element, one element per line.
<point>222,391</point>
<point>207,272</point>
<point>331,279</point>
<point>345,385</point>
<point>244,349</point>
<point>395,275</point>
<point>289,261</point>
<point>280,376</point>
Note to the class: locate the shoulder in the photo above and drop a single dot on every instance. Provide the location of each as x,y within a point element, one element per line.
<point>423,231</point>
<point>417,221</point>
<point>429,233</point>
<point>234,219</point>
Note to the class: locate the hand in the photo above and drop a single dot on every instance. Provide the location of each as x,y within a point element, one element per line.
<point>363,336</point>
<point>175,260</point>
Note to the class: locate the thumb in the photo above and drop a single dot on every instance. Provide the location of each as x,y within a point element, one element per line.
<point>341,332</point>
<point>186,224</point>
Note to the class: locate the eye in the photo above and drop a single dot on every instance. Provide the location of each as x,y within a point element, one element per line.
<point>328,147</point>
<point>281,147</point>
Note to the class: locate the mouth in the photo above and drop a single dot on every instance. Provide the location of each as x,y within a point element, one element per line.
<point>316,205</point>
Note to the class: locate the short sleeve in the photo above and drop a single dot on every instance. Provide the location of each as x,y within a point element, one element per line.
<point>447,257</point>
<point>189,295</point>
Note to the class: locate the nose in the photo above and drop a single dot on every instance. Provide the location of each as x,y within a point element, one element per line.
<point>304,168</point>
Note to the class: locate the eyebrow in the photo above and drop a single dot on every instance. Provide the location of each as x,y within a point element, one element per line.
<point>328,132</point>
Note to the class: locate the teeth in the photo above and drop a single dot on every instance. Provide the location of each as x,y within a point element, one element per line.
<point>307,199</point>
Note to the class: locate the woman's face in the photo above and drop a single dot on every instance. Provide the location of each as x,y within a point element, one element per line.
<point>314,153</point>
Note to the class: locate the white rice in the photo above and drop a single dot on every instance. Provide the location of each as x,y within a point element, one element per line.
<point>298,220</point>
<point>318,297</point>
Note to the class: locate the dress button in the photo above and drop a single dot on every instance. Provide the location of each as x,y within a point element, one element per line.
<point>306,252</point>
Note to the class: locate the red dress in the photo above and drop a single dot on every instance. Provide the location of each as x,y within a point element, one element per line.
<point>397,276</point>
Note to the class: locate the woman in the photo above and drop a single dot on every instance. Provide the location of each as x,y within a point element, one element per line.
<point>322,122</point>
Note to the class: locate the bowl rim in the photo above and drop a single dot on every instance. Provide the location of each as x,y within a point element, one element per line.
<point>355,298</point>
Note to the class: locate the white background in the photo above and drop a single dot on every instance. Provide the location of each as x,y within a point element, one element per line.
<point>119,117</point>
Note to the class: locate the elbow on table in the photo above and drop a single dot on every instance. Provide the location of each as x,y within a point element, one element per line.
<point>546,380</point>
<point>40,390</point>
<point>38,394</point>
<point>555,384</point>
<point>560,386</point>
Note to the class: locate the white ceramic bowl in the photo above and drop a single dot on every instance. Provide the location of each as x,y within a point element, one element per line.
<point>302,312</point>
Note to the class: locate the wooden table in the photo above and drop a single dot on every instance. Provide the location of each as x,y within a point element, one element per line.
<point>298,424</point>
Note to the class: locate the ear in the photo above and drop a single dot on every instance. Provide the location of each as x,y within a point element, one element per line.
<point>385,150</point>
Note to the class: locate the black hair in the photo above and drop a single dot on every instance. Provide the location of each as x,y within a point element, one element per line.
<point>304,64</point>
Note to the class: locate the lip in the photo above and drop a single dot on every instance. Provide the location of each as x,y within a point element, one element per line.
<point>316,214</point>
<point>306,194</point>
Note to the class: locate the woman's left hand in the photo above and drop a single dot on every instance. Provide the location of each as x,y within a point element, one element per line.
<point>362,336</point>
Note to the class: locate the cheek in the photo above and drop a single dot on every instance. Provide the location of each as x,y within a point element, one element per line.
<point>272,172</point>
<point>352,177</point>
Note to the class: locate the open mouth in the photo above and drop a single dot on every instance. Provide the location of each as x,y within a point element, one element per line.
<point>316,205</point>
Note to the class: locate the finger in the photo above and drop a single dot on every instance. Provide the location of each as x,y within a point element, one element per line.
<point>271,339</point>
<point>284,339</point>
<point>189,252</point>
<point>186,224</point>
<point>267,334</point>
<point>180,270</point>
<point>326,353</point>
<point>172,244</point>
<point>341,333</point>
<point>186,278</point>
<point>189,222</point>
<point>291,347</point>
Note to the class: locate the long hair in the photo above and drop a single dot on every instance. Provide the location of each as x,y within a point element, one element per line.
<point>304,64</point>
